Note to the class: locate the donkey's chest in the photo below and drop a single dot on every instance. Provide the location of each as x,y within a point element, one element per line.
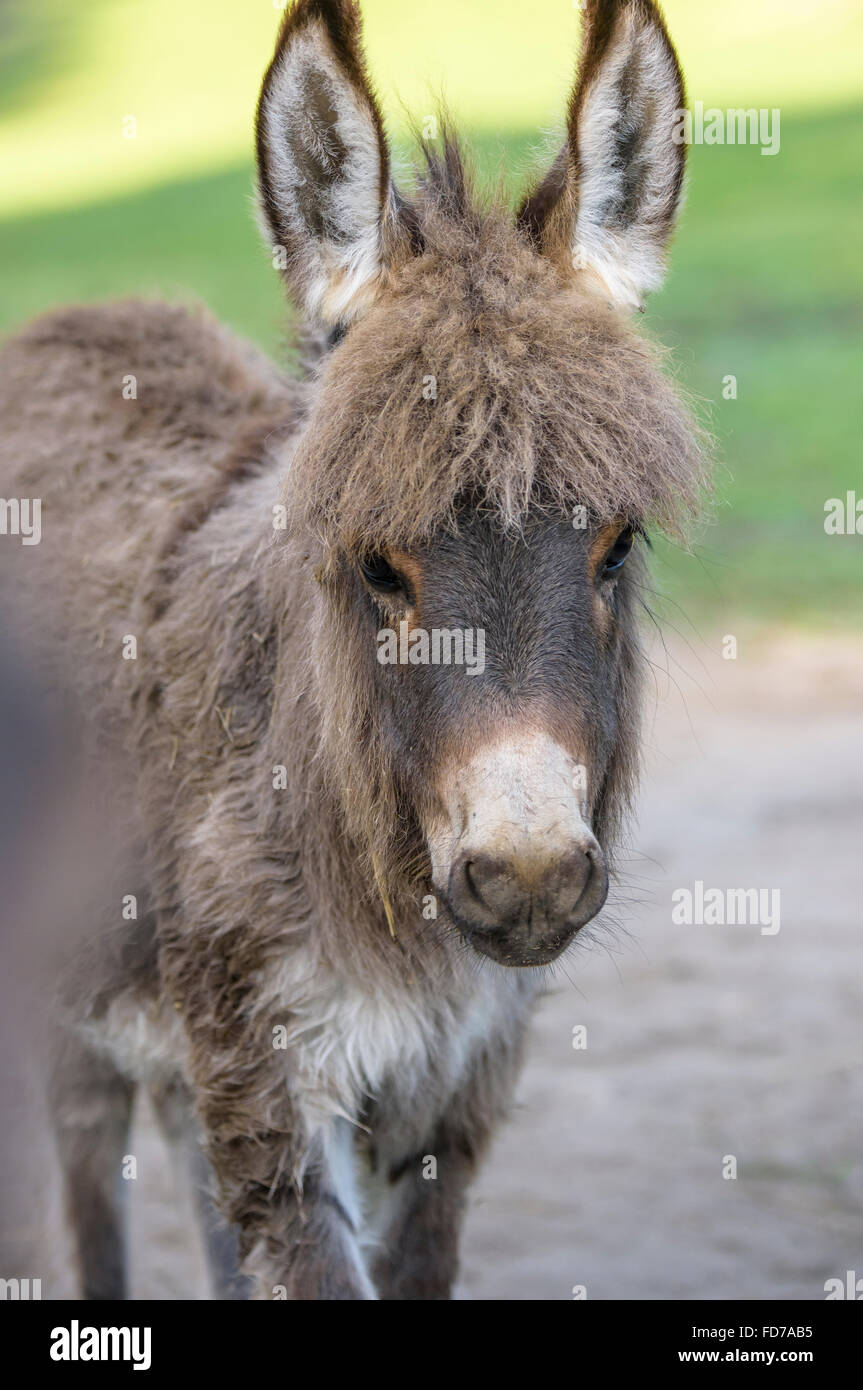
<point>375,1053</point>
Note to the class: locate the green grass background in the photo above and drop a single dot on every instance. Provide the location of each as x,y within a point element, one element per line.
<point>766,272</point>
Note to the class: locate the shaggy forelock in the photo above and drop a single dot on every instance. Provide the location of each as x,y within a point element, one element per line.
<point>483,378</point>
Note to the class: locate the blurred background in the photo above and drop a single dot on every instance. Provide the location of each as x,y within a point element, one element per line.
<point>125,168</point>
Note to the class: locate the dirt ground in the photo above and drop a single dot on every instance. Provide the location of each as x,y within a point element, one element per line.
<point>703,1043</point>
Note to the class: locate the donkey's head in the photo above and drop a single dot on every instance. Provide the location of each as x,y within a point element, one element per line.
<point>489,444</point>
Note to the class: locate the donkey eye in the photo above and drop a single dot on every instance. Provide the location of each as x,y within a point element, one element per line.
<point>616,557</point>
<point>380,574</point>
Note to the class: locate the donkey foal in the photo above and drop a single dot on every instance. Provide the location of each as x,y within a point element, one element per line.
<point>349,872</point>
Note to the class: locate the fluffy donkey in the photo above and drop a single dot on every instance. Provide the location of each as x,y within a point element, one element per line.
<point>349,850</point>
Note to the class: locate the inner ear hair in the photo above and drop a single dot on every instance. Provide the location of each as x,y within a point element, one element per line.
<point>325,192</point>
<point>609,202</point>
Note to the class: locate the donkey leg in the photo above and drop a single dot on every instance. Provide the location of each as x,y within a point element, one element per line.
<point>418,1255</point>
<point>220,1239</point>
<point>91,1103</point>
<point>176,1118</point>
<point>419,1258</point>
<point>299,1234</point>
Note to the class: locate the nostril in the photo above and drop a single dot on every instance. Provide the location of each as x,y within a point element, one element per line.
<point>486,889</point>
<point>529,893</point>
<point>574,887</point>
<point>566,882</point>
<point>468,878</point>
<point>594,888</point>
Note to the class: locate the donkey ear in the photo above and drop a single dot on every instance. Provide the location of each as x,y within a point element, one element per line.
<point>323,163</point>
<point>610,201</point>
